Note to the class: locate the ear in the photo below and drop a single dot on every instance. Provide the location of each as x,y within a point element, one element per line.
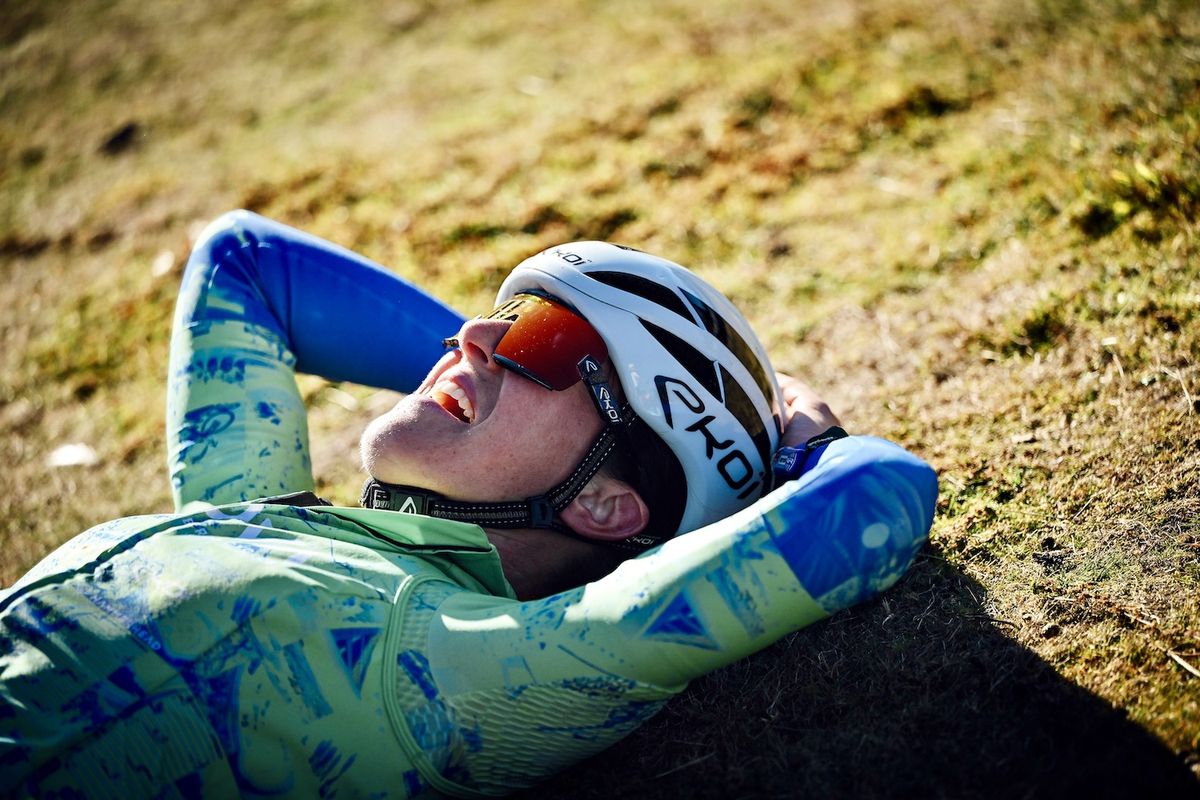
<point>606,510</point>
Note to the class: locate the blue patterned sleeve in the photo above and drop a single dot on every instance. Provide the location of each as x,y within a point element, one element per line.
<point>260,301</point>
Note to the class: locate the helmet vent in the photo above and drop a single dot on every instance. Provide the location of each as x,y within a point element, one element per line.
<point>743,410</point>
<point>644,288</point>
<point>733,341</point>
<point>697,365</point>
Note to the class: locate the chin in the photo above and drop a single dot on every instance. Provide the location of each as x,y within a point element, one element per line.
<point>381,447</point>
<point>407,445</point>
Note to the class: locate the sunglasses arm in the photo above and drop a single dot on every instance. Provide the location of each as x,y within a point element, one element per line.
<point>602,394</point>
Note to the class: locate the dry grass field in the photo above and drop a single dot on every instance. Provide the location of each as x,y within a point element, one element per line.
<point>971,226</point>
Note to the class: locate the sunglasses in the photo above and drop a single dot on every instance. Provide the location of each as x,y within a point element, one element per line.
<point>547,342</point>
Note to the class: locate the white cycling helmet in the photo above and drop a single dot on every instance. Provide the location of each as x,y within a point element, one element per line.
<point>688,362</point>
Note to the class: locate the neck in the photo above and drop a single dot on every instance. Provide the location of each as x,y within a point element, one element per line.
<point>539,563</point>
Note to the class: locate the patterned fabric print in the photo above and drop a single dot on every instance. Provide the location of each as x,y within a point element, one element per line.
<point>236,424</point>
<point>870,509</point>
<point>507,736</point>
<point>218,653</point>
<point>84,548</point>
<point>422,717</point>
<point>546,728</point>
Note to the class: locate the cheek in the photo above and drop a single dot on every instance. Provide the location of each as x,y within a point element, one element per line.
<point>569,425</point>
<point>555,430</point>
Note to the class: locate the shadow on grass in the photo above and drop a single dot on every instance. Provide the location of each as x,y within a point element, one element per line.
<point>913,695</point>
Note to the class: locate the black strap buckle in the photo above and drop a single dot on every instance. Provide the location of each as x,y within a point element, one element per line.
<point>385,498</point>
<point>541,512</point>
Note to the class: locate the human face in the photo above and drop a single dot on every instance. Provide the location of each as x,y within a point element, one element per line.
<point>476,431</point>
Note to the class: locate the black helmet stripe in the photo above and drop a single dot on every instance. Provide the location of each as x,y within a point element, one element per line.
<point>644,288</point>
<point>728,336</point>
<point>698,366</point>
<point>742,408</point>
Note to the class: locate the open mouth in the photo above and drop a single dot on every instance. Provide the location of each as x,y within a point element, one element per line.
<point>454,400</point>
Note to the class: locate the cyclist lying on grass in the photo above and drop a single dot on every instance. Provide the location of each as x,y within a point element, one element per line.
<point>444,637</point>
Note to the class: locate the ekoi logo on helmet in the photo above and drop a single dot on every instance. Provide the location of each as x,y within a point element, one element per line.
<point>574,259</point>
<point>733,465</point>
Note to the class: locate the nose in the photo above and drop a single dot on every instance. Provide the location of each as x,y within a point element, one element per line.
<point>479,338</point>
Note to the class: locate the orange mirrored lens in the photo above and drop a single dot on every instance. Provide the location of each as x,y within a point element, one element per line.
<point>546,341</point>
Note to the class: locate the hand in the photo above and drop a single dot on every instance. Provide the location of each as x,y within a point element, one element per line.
<point>805,413</point>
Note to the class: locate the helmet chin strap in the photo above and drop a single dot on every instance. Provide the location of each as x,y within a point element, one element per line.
<point>540,511</point>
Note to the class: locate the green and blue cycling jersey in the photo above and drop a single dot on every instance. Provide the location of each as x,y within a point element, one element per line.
<point>239,647</point>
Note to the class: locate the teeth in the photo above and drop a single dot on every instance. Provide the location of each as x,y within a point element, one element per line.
<point>454,391</point>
